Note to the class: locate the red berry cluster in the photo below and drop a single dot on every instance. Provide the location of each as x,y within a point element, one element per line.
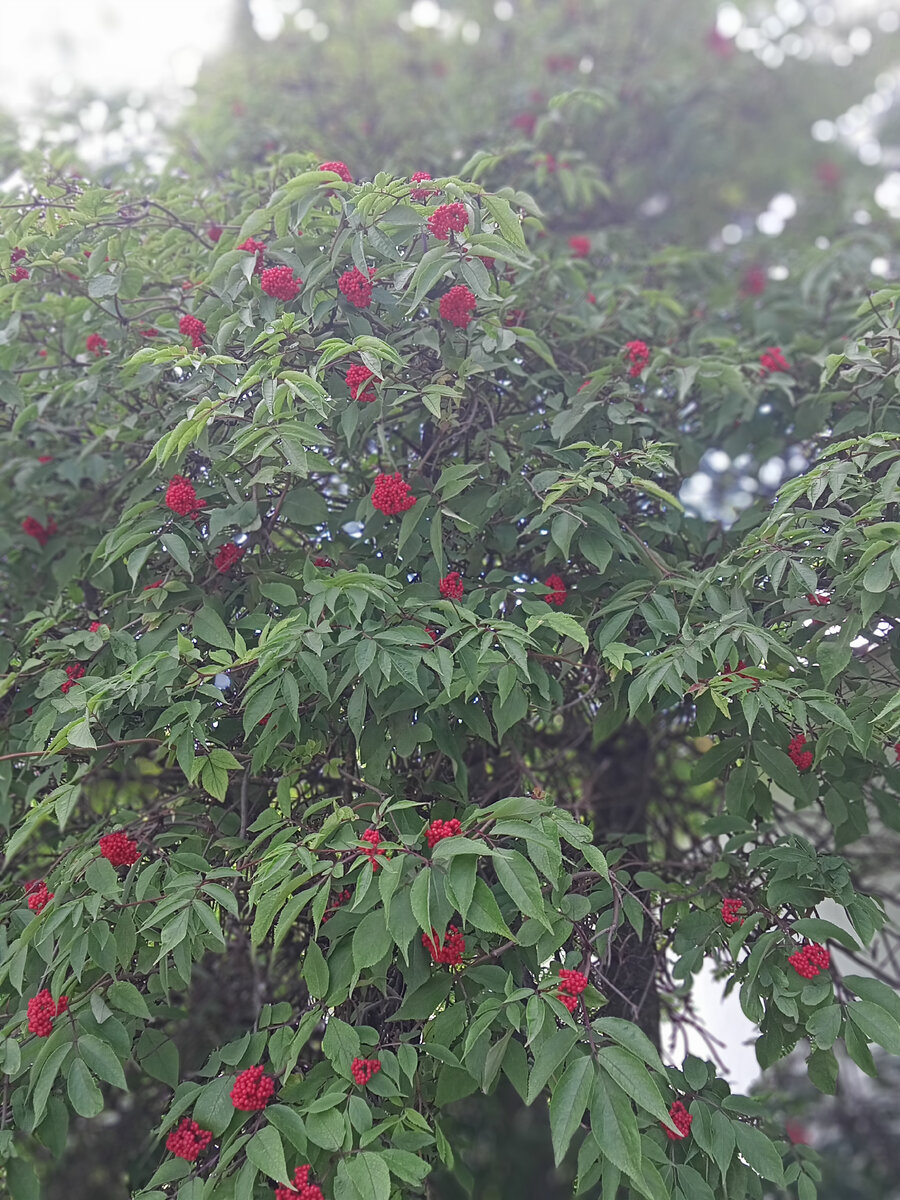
<point>451,586</point>
<point>681,1119</point>
<point>457,306</point>
<point>193,328</point>
<point>94,627</point>
<point>438,830</point>
<point>119,849</point>
<point>810,960</point>
<point>638,354</point>
<point>339,168</point>
<point>773,360</point>
<point>35,529</point>
<point>181,496</point>
<point>75,671</point>
<point>802,759</point>
<point>354,285</point>
<point>280,283</point>
<point>580,246</point>
<point>451,952</point>
<point>252,1090</point>
<point>322,562</point>
<point>754,281</point>
<point>447,219</point>
<point>571,985</point>
<point>362,1070</point>
<point>214,232</point>
<point>38,896</point>
<point>17,253</point>
<point>227,556</point>
<point>302,1189</point>
<point>557,594</point>
<point>96,344</point>
<point>420,195</point>
<point>817,598</point>
<point>392,495</point>
<point>257,248</point>
<point>357,381</point>
<point>373,837</point>
<point>731,906</point>
<point>188,1141</point>
<point>148,587</point>
<point>338,899</point>
<point>516,316</point>
<point>524,121</point>
<point>42,1010</point>
<point>18,275</point>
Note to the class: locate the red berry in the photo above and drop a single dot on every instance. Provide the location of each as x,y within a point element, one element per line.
<point>193,328</point>
<point>339,168</point>
<point>322,562</point>
<point>18,275</point>
<point>557,594</point>
<point>280,283</point>
<point>681,1119</point>
<point>39,897</point>
<point>802,759</point>
<point>373,837</point>
<point>730,909</point>
<point>41,1011</point>
<point>181,496</point>
<point>447,219</point>
<point>580,246</point>
<point>252,1090</point>
<point>357,381</point>
<point>188,1141</point>
<point>257,248</point>
<point>302,1189</point>
<point>573,982</point>
<point>96,344</point>
<point>338,899</point>
<point>354,285</point>
<point>754,281</point>
<point>419,195</point>
<point>638,354</point>
<point>227,556</point>
<point>457,306</point>
<point>362,1070</point>
<point>524,121</point>
<point>75,671</point>
<point>451,586</point>
<point>36,530</point>
<point>17,253</point>
<point>392,495</point>
<point>214,232</point>
<point>773,360</point>
<point>449,952</point>
<point>438,830</point>
<point>119,849</point>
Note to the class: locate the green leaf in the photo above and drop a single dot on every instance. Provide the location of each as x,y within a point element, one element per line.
<point>875,992</point>
<point>634,1079</point>
<point>177,547</point>
<point>315,971</point>
<point>506,220</point>
<point>210,628</point>
<point>759,1152</point>
<point>125,997</point>
<point>370,1176</point>
<point>21,1180</point>
<point>213,1108</point>
<point>484,912</point>
<point>818,930</point>
<point>422,1003</point>
<point>520,883</point>
<point>878,1025</point>
<point>615,1128</point>
<point>266,1153</point>
<point>824,1026</point>
<point>86,1097</point>
<point>371,939</point>
<point>560,623</point>
<point>547,1059</point>
<point>102,1060</point>
<point>568,1102</point>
